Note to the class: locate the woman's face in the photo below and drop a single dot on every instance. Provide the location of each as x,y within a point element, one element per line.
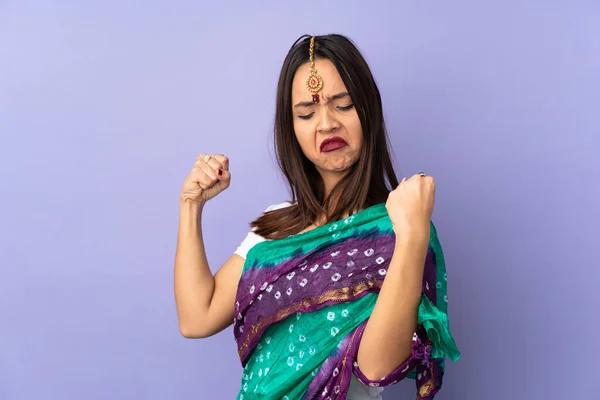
<point>329,132</point>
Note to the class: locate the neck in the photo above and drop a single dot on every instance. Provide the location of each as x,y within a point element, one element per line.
<point>330,179</point>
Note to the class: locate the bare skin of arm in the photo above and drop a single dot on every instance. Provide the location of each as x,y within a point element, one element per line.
<point>205,303</point>
<point>387,340</point>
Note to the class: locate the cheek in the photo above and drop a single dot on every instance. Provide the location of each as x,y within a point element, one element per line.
<point>303,137</point>
<point>357,133</point>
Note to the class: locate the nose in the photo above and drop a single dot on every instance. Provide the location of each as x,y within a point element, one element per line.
<point>328,122</point>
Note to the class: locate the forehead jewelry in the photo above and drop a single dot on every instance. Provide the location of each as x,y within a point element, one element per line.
<point>314,82</point>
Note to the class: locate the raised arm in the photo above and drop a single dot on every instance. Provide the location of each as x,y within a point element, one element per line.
<point>388,336</point>
<point>205,303</point>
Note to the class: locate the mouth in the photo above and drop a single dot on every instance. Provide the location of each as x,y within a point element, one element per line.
<point>332,144</point>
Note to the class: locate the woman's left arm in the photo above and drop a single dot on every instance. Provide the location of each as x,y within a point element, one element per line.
<point>387,341</point>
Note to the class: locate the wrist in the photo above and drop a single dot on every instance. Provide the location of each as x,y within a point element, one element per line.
<point>413,236</point>
<point>187,206</point>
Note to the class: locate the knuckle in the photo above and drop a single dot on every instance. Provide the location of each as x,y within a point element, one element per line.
<point>202,178</point>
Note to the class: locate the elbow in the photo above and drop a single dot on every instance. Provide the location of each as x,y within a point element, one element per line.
<point>379,373</point>
<point>379,368</point>
<point>374,374</point>
<point>193,332</point>
<point>372,368</point>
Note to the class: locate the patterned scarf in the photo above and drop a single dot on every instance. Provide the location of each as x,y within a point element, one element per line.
<point>303,303</point>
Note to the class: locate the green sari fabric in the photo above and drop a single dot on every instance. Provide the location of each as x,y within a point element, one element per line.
<point>303,303</point>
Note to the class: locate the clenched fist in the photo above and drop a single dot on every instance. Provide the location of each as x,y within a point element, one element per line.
<point>206,179</point>
<point>410,205</point>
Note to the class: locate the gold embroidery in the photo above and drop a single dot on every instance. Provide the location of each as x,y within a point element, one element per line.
<point>342,294</point>
<point>346,357</point>
<point>427,387</point>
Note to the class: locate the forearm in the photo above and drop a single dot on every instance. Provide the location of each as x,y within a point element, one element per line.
<point>387,340</point>
<point>193,279</point>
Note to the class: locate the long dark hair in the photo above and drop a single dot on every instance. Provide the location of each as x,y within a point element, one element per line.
<point>366,182</point>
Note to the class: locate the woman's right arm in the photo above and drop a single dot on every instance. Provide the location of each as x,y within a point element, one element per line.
<point>205,303</point>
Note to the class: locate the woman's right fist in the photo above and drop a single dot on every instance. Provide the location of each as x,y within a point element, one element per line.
<point>207,179</point>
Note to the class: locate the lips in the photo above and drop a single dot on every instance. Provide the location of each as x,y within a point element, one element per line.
<point>333,143</point>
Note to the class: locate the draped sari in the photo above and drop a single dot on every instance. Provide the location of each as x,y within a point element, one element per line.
<point>303,303</point>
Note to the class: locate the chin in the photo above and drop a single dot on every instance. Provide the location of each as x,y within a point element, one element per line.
<point>337,168</point>
<point>338,164</point>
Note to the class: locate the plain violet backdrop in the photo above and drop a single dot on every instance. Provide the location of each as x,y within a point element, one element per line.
<point>104,106</point>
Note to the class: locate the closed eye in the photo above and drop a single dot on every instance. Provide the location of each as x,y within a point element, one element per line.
<point>308,116</point>
<point>341,108</point>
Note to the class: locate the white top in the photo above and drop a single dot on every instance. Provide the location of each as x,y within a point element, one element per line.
<point>357,390</point>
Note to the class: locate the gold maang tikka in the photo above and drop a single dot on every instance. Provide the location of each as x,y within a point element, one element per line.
<point>314,82</point>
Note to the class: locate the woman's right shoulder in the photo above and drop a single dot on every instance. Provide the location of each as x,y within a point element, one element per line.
<point>277,206</point>
<point>252,238</point>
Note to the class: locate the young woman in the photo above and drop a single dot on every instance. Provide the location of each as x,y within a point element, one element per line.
<point>342,290</point>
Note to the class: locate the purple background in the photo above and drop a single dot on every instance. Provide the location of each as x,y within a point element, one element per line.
<point>104,106</point>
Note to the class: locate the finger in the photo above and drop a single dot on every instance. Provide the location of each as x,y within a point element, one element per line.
<point>204,167</point>
<point>201,157</point>
<point>201,178</point>
<point>225,179</point>
<point>223,160</point>
<point>215,164</point>
<point>427,178</point>
<point>212,162</point>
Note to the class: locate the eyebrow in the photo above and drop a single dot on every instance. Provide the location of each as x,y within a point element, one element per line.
<point>334,97</point>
